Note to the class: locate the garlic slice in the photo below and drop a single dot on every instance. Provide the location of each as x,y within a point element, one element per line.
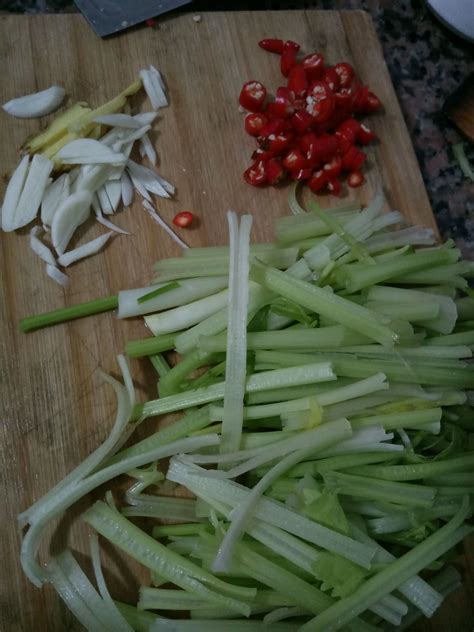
<point>54,195</point>
<point>57,275</point>
<point>109,196</point>
<point>36,104</point>
<point>72,213</point>
<point>86,151</point>
<point>148,178</point>
<point>126,188</point>
<point>13,193</point>
<point>147,148</point>
<point>86,250</point>
<point>118,120</point>
<point>33,191</point>
<point>39,248</point>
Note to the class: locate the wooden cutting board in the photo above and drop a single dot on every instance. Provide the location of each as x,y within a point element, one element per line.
<point>55,408</point>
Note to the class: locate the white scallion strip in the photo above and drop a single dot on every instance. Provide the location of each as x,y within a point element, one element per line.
<point>147,148</point>
<point>86,151</point>
<point>147,177</point>
<point>33,190</point>
<point>153,213</point>
<point>146,118</point>
<point>118,120</point>
<point>53,197</point>
<point>104,221</point>
<point>36,104</point>
<point>241,516</point>
<point>189,290</point>
<point>40,248</point>
<point>72,213</point>
<point>54,273</point>
<point>13,193</point>
<point>238,296</point>
<point>187,315</point>
<point>86,250</point>
<point>126,189</point>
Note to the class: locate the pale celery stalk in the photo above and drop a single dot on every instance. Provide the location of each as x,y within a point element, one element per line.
<point>288,230</point>
<point>236,349</point>
<point>325,303</point>
<point>392,576</point>
<point>171,382</point>
<point>411,419</point>
<point>206,251</point>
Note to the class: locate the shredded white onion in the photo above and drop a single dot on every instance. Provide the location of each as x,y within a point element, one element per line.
<point>30,199</point>
<point>54,195</point>
<point>86,151</point>
<point>148,178</point>
<point>13,193</point>
<point>36,104</point>
<point>72,213</point>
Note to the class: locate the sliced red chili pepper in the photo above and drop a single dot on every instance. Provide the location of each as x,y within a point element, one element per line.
<point>343,98</point>
<point>273,170</point>
<point>343,143</point>
<point>334,186</point>
<point>285,98</point>
<point>319,89</point>
<point>294,160</point>
<point>333,168</point>
<point>306,141</point>
<point>355,179</point>
<point>349,129</point>
<point>255,174</point>
<point>277,143</point>
<point>261,154</point>
<point>317,181</point>
<point>274,126</point>
<point>287,61</point>
<point>272,45</point>
<point>365,135</point>
<point>254,123</point>
<point>301,121</point>
<point>252,96</point>
<point>320,109</point>
<point>348,157</point>
<point>278,110</point>
<point>314,65</point>
<point>331,77</point>
<point>346,74</point>
<point>372,103</point>
<point>298,80</point>
<point>358,160</point>
<point>301,174</point>
<point>183,219</point>
<point>359,98</point>
<point>327,146</point>
<point>290,45</point>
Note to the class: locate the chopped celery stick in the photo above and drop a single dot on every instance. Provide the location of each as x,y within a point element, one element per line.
<point>255,249</point>
<point>164,531</point>
<point>306,374</point>
<point>160,290</point>
<point>172,381</point>
<point>446,274</point>
<point>325,303</point>
<point>236,345</point>
<point>373,489</point>
<point>68,313</point>
<point>288,231</point>
<point>414,471</point>
<point>138,619</point>
<point>157,557</point>
<point>392,576</point>
<point>412,312</point>
<point>163,507</point>
<point>149,346</point>
<point>159,364</point>
<point>406,419</point>
<point>458,339</point>
<point>356,276</point>
<point>185,267</point>
<point>465,307</point>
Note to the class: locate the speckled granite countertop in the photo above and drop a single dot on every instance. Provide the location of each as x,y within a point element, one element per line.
<point>427,63</point>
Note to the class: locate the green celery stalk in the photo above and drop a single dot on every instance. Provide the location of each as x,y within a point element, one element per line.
<point>171,382</point>
<point>149,346</point>
<point>68,313</point>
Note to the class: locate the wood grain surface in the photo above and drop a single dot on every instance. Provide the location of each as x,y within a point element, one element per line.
<point>55,408</point>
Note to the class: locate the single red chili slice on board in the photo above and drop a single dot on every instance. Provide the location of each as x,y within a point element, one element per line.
<point>252,96</point>
<point>298,80</point>
<point>255,122</point>
<point>255,174</point>
<point>272,45</point>
<point>183,219</point>
<point>313,65</point>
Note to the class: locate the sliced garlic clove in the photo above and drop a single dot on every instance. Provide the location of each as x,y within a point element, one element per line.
<point>54,195</point>
<point>86,151</point>
<point>86,250</point>
<point>72,213</point>
<point>13,193</point>
<point>33,191</point>
<point>39,248</point>
<point>36,104</point>
<point>127,189</point>
<point>54,273</point>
